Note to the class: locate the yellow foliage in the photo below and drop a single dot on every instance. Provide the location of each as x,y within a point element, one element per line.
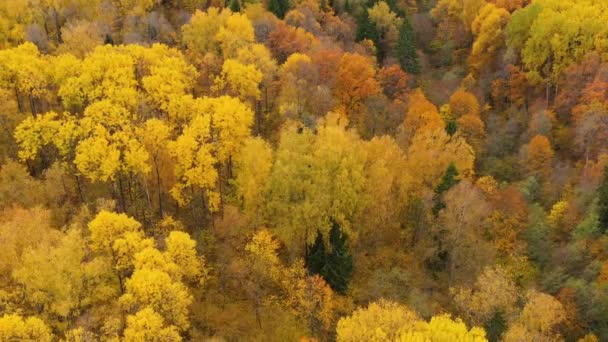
<point>147,325</point>
<point>15,328</point>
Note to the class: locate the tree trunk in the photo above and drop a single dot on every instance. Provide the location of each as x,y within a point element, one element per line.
<point>158,189</point>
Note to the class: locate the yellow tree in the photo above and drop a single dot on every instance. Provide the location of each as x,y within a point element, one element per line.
<point>442,328</point>
<point>488,29</point>
<point>239,80</point>
<point>379,321</point>
<point>461,231</point>
<point>55,277</point>
<point>15,328</point>
<point>154,136</point>
<point>106,74</point>
<point>119,237</point>
<point>147,325</point>
<point>538,321</point>
<point>421,114</point>
<point>430,153</point>
<point>493,291</point>
<point>219,32</point>
<point>216,132</point>
<point>26,73</point>
<point>252,168</point>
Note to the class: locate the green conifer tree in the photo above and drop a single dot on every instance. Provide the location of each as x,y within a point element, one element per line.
<point>602,193</point>
<point>278,7</point>
<point>317,256</point>
<point>406,49</point>
<point>449,179</point>
<point>235,6</point>
<point>335,265</point>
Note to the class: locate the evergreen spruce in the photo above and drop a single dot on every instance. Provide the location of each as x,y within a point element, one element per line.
<point>235,6</point>
<point>451,127</point>
<point>335,266</point>
<point>602,193</point>
<point>366,29</point>
<point>406,49</point>
<point>449,179</point>
<point>278,7</point>
<point>339,267</point>
<point>317,256</point>
<point>495,327</point>
<point>108,40</point>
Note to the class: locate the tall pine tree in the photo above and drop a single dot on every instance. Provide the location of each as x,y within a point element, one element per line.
<point>278,7</point>
<point>602,194</point>
<point>335,265</point>
<point>317,256</point>
<point>406,49</point>
<point>366,29</point>
<point>449,179</point>
<point>235,6</point>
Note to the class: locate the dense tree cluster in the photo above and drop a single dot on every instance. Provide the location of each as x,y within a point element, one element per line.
<point>285,170</point>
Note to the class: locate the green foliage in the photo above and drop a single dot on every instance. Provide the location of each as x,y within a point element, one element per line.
<point>602,204</point>
<point>366,29</point>
<point>449,179</point>
<point>406,49</point>
<point>334,265</point>
<point>496,326</point>
<point>279,7</point>
<point>235,6</point>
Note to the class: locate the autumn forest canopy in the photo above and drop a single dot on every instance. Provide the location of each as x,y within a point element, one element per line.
<point>304,170</point>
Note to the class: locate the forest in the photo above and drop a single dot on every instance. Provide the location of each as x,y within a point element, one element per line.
<point>304,170</point>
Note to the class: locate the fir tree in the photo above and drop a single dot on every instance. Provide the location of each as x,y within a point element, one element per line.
<point>495,327</point>
<point>602,193</point>
<point>347,7</point>
<point>335,266</point>
<point>406,49</point>
<point>449,179</point>
<point>451,127</point>
<point>366,29</point>
<point>339,267</point>
<point>235,6</point>
<point>278,7</point>
<point>317,256</point>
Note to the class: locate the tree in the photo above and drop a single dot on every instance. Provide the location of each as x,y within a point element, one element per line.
<point>431,152</point>
<point>279,7</point>
<point>367,30</point>
<point>406,49</point>
<point>239,80</point>
<point>539,320</point>
<point>379,321</point>
<point>219,32</point>
<point>356,81</point>
<point>421,115</point>
<point>235,6</point>
<point>443,328</point>
<point>449,179</point>
<point>147,325</point>
<point>334,265</point>
<point>15,328</point>
<point>461,232</point>
<point>285,40</point>
<point>389,321</point>
<point>488,29</point>
<point>602,194</point>
<point>252,169</point>
<point>155,289</point>
<point>493,293</point>
<point>55,277</point>
<point>538,158</point>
